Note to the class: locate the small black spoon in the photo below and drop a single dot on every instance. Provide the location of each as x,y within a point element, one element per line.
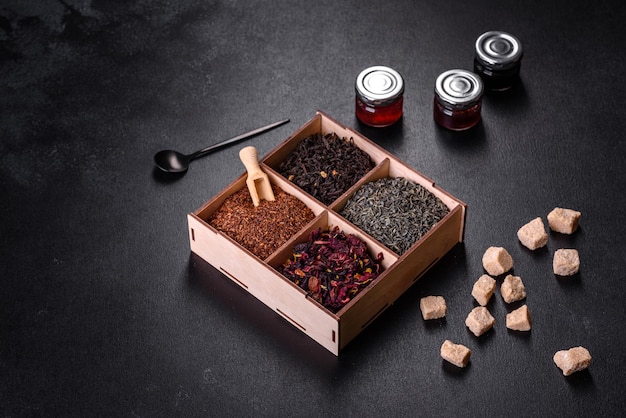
<point>175,162</point>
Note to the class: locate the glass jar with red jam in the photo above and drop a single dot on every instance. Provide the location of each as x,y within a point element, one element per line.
<point>458,99</point>
<point>379,96</point>
<point>498,59</point>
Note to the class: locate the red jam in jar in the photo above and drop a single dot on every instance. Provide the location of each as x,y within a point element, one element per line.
<point>498,59</point>
<point>379,96</point>
<point>458,99</point>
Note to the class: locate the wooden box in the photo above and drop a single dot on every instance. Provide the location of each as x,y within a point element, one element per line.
<point>260,277</point>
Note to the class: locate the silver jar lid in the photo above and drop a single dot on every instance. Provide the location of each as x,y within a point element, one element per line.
<point>498,49</point>
<point>459,88</point>
<point>379,85</point>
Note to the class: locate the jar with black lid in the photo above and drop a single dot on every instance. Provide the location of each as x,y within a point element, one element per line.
<point>379,96</point>
<point>458,99</point>
<point>498,59</point>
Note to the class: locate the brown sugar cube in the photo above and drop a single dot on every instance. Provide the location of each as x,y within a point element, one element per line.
<point>572,360</point>
<point>533,235</point>
<point>519,319</point>
<point>512,289</point>
<point>497,261</point>
<point>483,289</point>
<point>479,320</point>
<point>563,220</point>
<point>456,354</point>
<point>433,307</point>
<point>565,262</point>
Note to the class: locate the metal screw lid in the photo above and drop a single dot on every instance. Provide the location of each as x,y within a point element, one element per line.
<point>379,85</point>
<point>498,49</point>
<point>459,88</point>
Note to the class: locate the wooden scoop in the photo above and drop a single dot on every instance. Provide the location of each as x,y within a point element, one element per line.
<point>258,184</point>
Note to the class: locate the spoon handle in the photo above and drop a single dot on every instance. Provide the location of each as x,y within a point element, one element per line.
<point>237,138</point>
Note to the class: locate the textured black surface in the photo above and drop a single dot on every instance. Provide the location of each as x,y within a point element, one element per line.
<point>103,311</point>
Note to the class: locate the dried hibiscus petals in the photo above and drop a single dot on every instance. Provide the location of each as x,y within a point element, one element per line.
<point>333,267</point>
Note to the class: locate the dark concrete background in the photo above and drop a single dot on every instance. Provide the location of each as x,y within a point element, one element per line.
<point>104,311</point>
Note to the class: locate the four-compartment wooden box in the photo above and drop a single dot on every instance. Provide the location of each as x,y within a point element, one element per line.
<point>260,277</point>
